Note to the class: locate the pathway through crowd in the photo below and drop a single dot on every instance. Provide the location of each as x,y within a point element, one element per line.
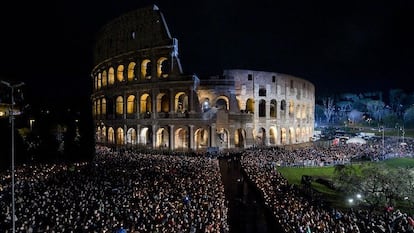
<point>247,212</point>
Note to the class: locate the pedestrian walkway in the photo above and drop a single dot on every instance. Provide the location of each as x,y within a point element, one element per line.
<point>247,212</point>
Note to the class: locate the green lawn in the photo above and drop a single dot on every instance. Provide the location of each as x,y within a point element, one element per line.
<point>294,176</point>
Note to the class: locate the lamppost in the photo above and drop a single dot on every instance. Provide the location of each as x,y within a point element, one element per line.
<point>11,115</point>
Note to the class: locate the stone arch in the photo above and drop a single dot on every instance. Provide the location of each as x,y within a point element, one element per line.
<point>111,135</point>
<point>145,103</point>
<point>119,105</point>
<point>162,140</point>
<point>162,67</point>
<point>104,81</point>
<point>261,137</point>
<point>111,75</point>
<point>273,108</point>
<point>120,73</point>
<point>181,102</point>
<point>222,102</point>
<point>103,106</point>
<point>272,136</point>
<point>120,136</point>
<point>145,136</point>
<point>250,105</point>
<point>131,106</point>
<point>131,138</point>
<point>131,71</point>
<point>99,81</point>
<point>163,103</point>
<point>181,138</point>
<point>223,138</point>
<point>291,135</point>
<point>283,136</point>
<point>240,138</point>
<point>201,138</point>
<point>262,108</point>
<point>146,69</point>
<point>297,135</point>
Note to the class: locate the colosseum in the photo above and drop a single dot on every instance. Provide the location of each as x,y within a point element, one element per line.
<point>142,98</point>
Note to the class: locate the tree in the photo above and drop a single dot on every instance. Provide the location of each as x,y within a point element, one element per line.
<point>397,97</point>
<point>329,108</point>
<point>376,109</point>
<point>409,117</point>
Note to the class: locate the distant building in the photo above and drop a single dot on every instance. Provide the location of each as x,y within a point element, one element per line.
<point>142,98</point>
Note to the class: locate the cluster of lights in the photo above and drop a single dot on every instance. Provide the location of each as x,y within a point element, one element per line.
<point>357,196</point>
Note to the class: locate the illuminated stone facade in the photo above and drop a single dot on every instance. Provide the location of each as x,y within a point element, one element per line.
<point>141,97</point>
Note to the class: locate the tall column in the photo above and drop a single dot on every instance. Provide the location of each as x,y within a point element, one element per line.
<point>154,93</point>
<point>124,106</point>
<point>138,104</point>
<point>191,100</point>
<point>191,135</point>
<point>171,142</point>
<point>154,136</point>
<point>213,135</point>
<point>172,100</point>
<point>138,134</point>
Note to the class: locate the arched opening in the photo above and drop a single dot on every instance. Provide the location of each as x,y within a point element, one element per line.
<point>261,137</point>
<point>104,81</point>
<point>181,102</point>
<point>120,73</point>
<point>250,105</point>
<point>103,106</point>
<point>273,108</point>
<point>163,103</point>
<point>131,106</point>
<point>99,81</point>
<point>120,136</point>
<point>201,139</point>
<point>272,136</point>
<point>98,134</point>
<point>262,108</point>
<point>162,138</point>
<point>222,103</point>
<point>119,105</point>
<point>131,136</point>
<point>291,135</point>
<point>111,135</point>
<point>223,138</point>
<point>131,71</point>
<point>181,139</point>
<point>283,136</point>
<point>297,135</point>
<point>145,105</point>
<point>145,136</point>
<point>291,108</point>
<point>146,69</point>
<point>239,138</point>
<point>162,67</point>
<point>111,75</point>
<point>103,134</point>
<point>98,109</point>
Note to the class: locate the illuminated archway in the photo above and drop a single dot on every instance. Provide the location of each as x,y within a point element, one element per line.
<point>146,69</point>
<point>201,138</point>
<point>239,138</point>
<point>283,136</point>
<point>98,105</point>
<point>99,81</point>
<point>104,81</point>
<point>291,135</point>
<point>297,135</point>
<point>145,136</point>
<point>120,73</point>
<point>131,71</point>
<point>181,102</point>
<point>120,136</point>
<point>111,74</point>
<point>163,103</point>
<point>181,138</point>
<point>131,136</point>
<point>261,137</point>
<point>103,106</point>
<point>103,134</point>
<point>250,105</point>
<point>119,105</point>
<point>98,134</point>
<point>262,108</point>
<point>272,136</point>
<point>273,108</point>
<point>162,67</point>
<point>162,138</point>
<point>222,102</point>
<point>131,104</point>
<point>111,135</point>
<point>146,103</point>
<point>223,138</point>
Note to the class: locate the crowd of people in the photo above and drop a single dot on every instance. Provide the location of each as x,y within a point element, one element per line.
<point>297,212</point>
<point>129,192</point>
<point>126,191</point>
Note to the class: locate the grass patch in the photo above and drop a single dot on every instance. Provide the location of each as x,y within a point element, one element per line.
<point>400,163</point>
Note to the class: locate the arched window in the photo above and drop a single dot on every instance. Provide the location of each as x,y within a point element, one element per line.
<point>131,71</point>
<point>262,91</point>
<point>131,104</point>
<point>98,105</point>
<point>146,69</point>
<point>250,105</point>
<point>119,105</point>
<point>161,70</point>
<point>104,81</point>
<point>283,105</point>
<point>120,73</point>
<point>120,136</point>
<point>111,75</point>
<point>111,135</point>
<point>99,82</point>
<point>273,108</point>
<point>103,104</point>
<point>262,108</point>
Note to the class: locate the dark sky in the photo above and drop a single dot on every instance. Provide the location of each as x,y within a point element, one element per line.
<point>337,45</point>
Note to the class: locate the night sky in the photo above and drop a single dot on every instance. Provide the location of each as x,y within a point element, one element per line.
<point>337,45</point>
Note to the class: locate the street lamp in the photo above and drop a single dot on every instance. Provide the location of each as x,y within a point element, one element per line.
<point>11,115</point>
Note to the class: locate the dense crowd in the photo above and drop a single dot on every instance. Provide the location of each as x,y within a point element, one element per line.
<point>297,212</point>
<point>130,191</point>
